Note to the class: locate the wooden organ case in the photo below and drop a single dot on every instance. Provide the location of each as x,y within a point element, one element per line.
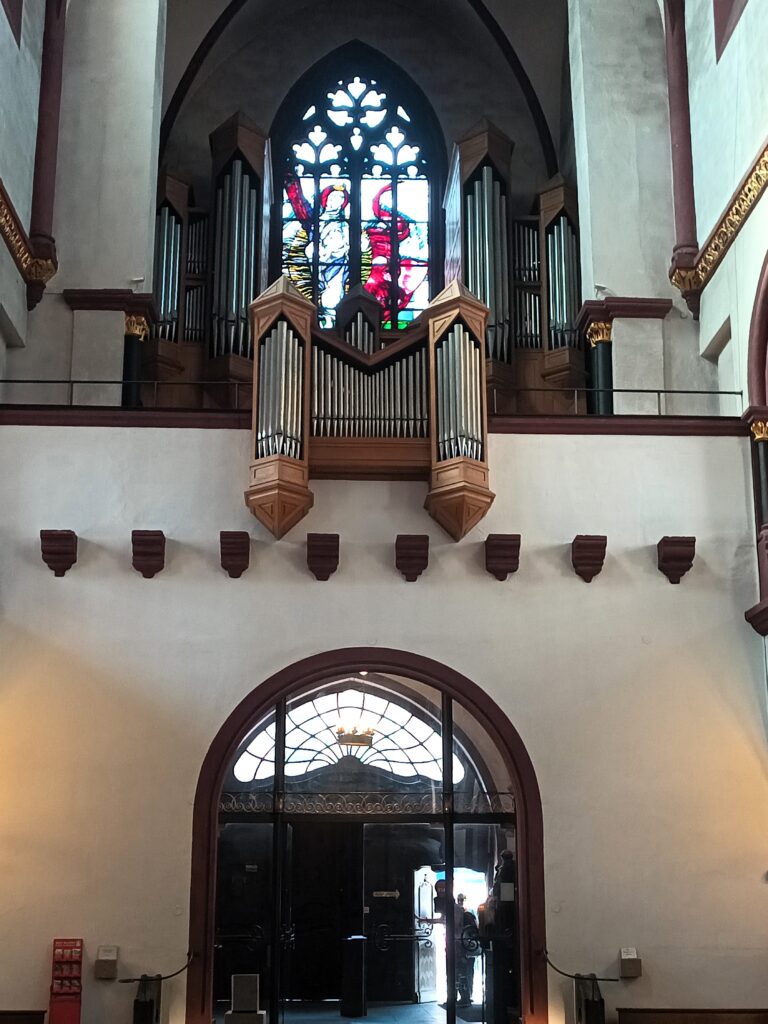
<point>362,400</point>
<point>342,404</point>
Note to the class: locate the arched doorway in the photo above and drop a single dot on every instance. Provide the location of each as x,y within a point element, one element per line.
<point>287,766</point>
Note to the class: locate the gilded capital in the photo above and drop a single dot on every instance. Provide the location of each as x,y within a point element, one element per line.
<point>599,332</point>
<point>136,326</point>
<point>759,430</point>
<point>40,270</point>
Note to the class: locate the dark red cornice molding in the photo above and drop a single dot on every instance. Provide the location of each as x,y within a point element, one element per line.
<point>113,416</point>
<point>614,307</point>
<point>118,299</point>
<point>653,426</point>
<point>224,419</point>
<point>47,148</point>
<point>684,202</point>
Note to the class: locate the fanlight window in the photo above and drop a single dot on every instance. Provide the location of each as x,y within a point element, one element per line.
<point>400,742</point>
<point>356,203</point>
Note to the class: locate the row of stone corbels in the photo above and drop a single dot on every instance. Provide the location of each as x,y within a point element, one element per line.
<point>502,553</point>
<point>278,493</point>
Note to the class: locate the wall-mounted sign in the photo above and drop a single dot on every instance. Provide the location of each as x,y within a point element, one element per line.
<point>387,894</point>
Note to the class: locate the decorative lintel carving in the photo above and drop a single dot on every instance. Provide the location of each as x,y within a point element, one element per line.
<point>35,267</point>
<point>148,552</point>
<point>322,554</point>
<point>235,551</point>
<point>502,554</point>
<point>588,555</point>
<point>411,554</point>
<point>692,280</point>
<point>675,556</point>
<point>59,550</point>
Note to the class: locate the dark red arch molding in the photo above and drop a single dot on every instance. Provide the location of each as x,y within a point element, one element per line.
<point>757,369</point>
<point>478,6</point>
<point>315,670</point>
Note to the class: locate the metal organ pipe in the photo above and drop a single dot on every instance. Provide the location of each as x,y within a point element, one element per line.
<point>350,401</point>
<point>563,277</point>
<point>281,384</point>
<point>234,255</point>
<point>457,395</point>
<point>167,272</point>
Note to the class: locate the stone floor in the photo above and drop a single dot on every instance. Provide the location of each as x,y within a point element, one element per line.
<point>378,1013</point>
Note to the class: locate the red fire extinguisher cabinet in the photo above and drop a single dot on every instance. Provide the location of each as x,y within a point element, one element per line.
<point>66,981</point>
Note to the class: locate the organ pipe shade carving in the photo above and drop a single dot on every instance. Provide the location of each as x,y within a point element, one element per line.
<point>236,221</point>
<point>563,286</point>
<point>457,389</point>
<point>167,271</point>
<point>486,257</point>
<point>281,387</point>
<point>351,401</point>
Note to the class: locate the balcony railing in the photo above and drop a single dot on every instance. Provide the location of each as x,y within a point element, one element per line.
<point>236,395</point>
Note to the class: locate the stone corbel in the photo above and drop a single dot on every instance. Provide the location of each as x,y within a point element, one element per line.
<point>59,550</point>
<point>322,554</point>
<point>411,555</point>
<point>588,555</point>
<point>502,554</point>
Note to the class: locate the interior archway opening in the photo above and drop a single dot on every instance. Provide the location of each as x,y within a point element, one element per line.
<point>368,859</point>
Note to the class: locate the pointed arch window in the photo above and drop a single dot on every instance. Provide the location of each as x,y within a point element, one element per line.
<point>359,180</point>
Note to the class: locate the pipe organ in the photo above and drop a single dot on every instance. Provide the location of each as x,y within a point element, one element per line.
<point>526,277</point>
<point>563,292</point>
<point>281,389</point>
<point>487,256</point>
<point>521,267</point>
<point>420,399</point>
<point>354,401</point>
<point>170,240</point>
<point>196,292</point>
<point>235,231</point>
<point>168,232</point>
<point>525,269</point>
<point>457,391</point>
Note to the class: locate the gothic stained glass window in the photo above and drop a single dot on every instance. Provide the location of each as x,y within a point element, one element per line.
<point>356,201</point>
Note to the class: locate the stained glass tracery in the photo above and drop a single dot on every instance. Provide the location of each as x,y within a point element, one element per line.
<point>356,204</point>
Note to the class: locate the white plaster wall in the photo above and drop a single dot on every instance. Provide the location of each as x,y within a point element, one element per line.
<point>643,705</point>
<point>19,97</point>
<point>621,127</point>
<point>728,101</point>
<point>107,171</point>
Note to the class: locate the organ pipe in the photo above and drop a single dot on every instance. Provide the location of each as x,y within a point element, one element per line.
<point>234,258</point>
<point>526,331</point>
<point>350,401</point>
<point>487,257</point>
<point>167,271</point>
<point>563,292</point>
<point>280,397</point>
<point>458,402</point>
